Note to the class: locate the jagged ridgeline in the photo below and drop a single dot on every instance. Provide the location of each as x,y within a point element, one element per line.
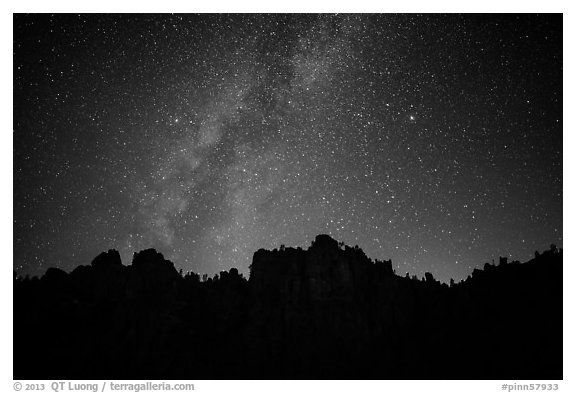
<point>328,312</point>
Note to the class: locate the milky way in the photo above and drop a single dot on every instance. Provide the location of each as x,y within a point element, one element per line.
<point>432,140</point>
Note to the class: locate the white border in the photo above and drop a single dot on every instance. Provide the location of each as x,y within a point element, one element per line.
<point>294,6</point>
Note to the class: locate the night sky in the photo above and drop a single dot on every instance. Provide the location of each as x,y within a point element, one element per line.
<point>432,140</point>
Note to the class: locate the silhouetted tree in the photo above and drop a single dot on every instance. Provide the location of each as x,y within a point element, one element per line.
<point>553,248</point>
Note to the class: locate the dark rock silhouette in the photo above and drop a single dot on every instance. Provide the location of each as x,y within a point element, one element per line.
<point>328,312</point>
<point>107,260</point>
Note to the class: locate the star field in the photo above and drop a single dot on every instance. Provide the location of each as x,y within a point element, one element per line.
<point>432,140</point>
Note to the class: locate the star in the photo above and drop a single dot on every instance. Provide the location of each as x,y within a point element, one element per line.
<point>209,137</point>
